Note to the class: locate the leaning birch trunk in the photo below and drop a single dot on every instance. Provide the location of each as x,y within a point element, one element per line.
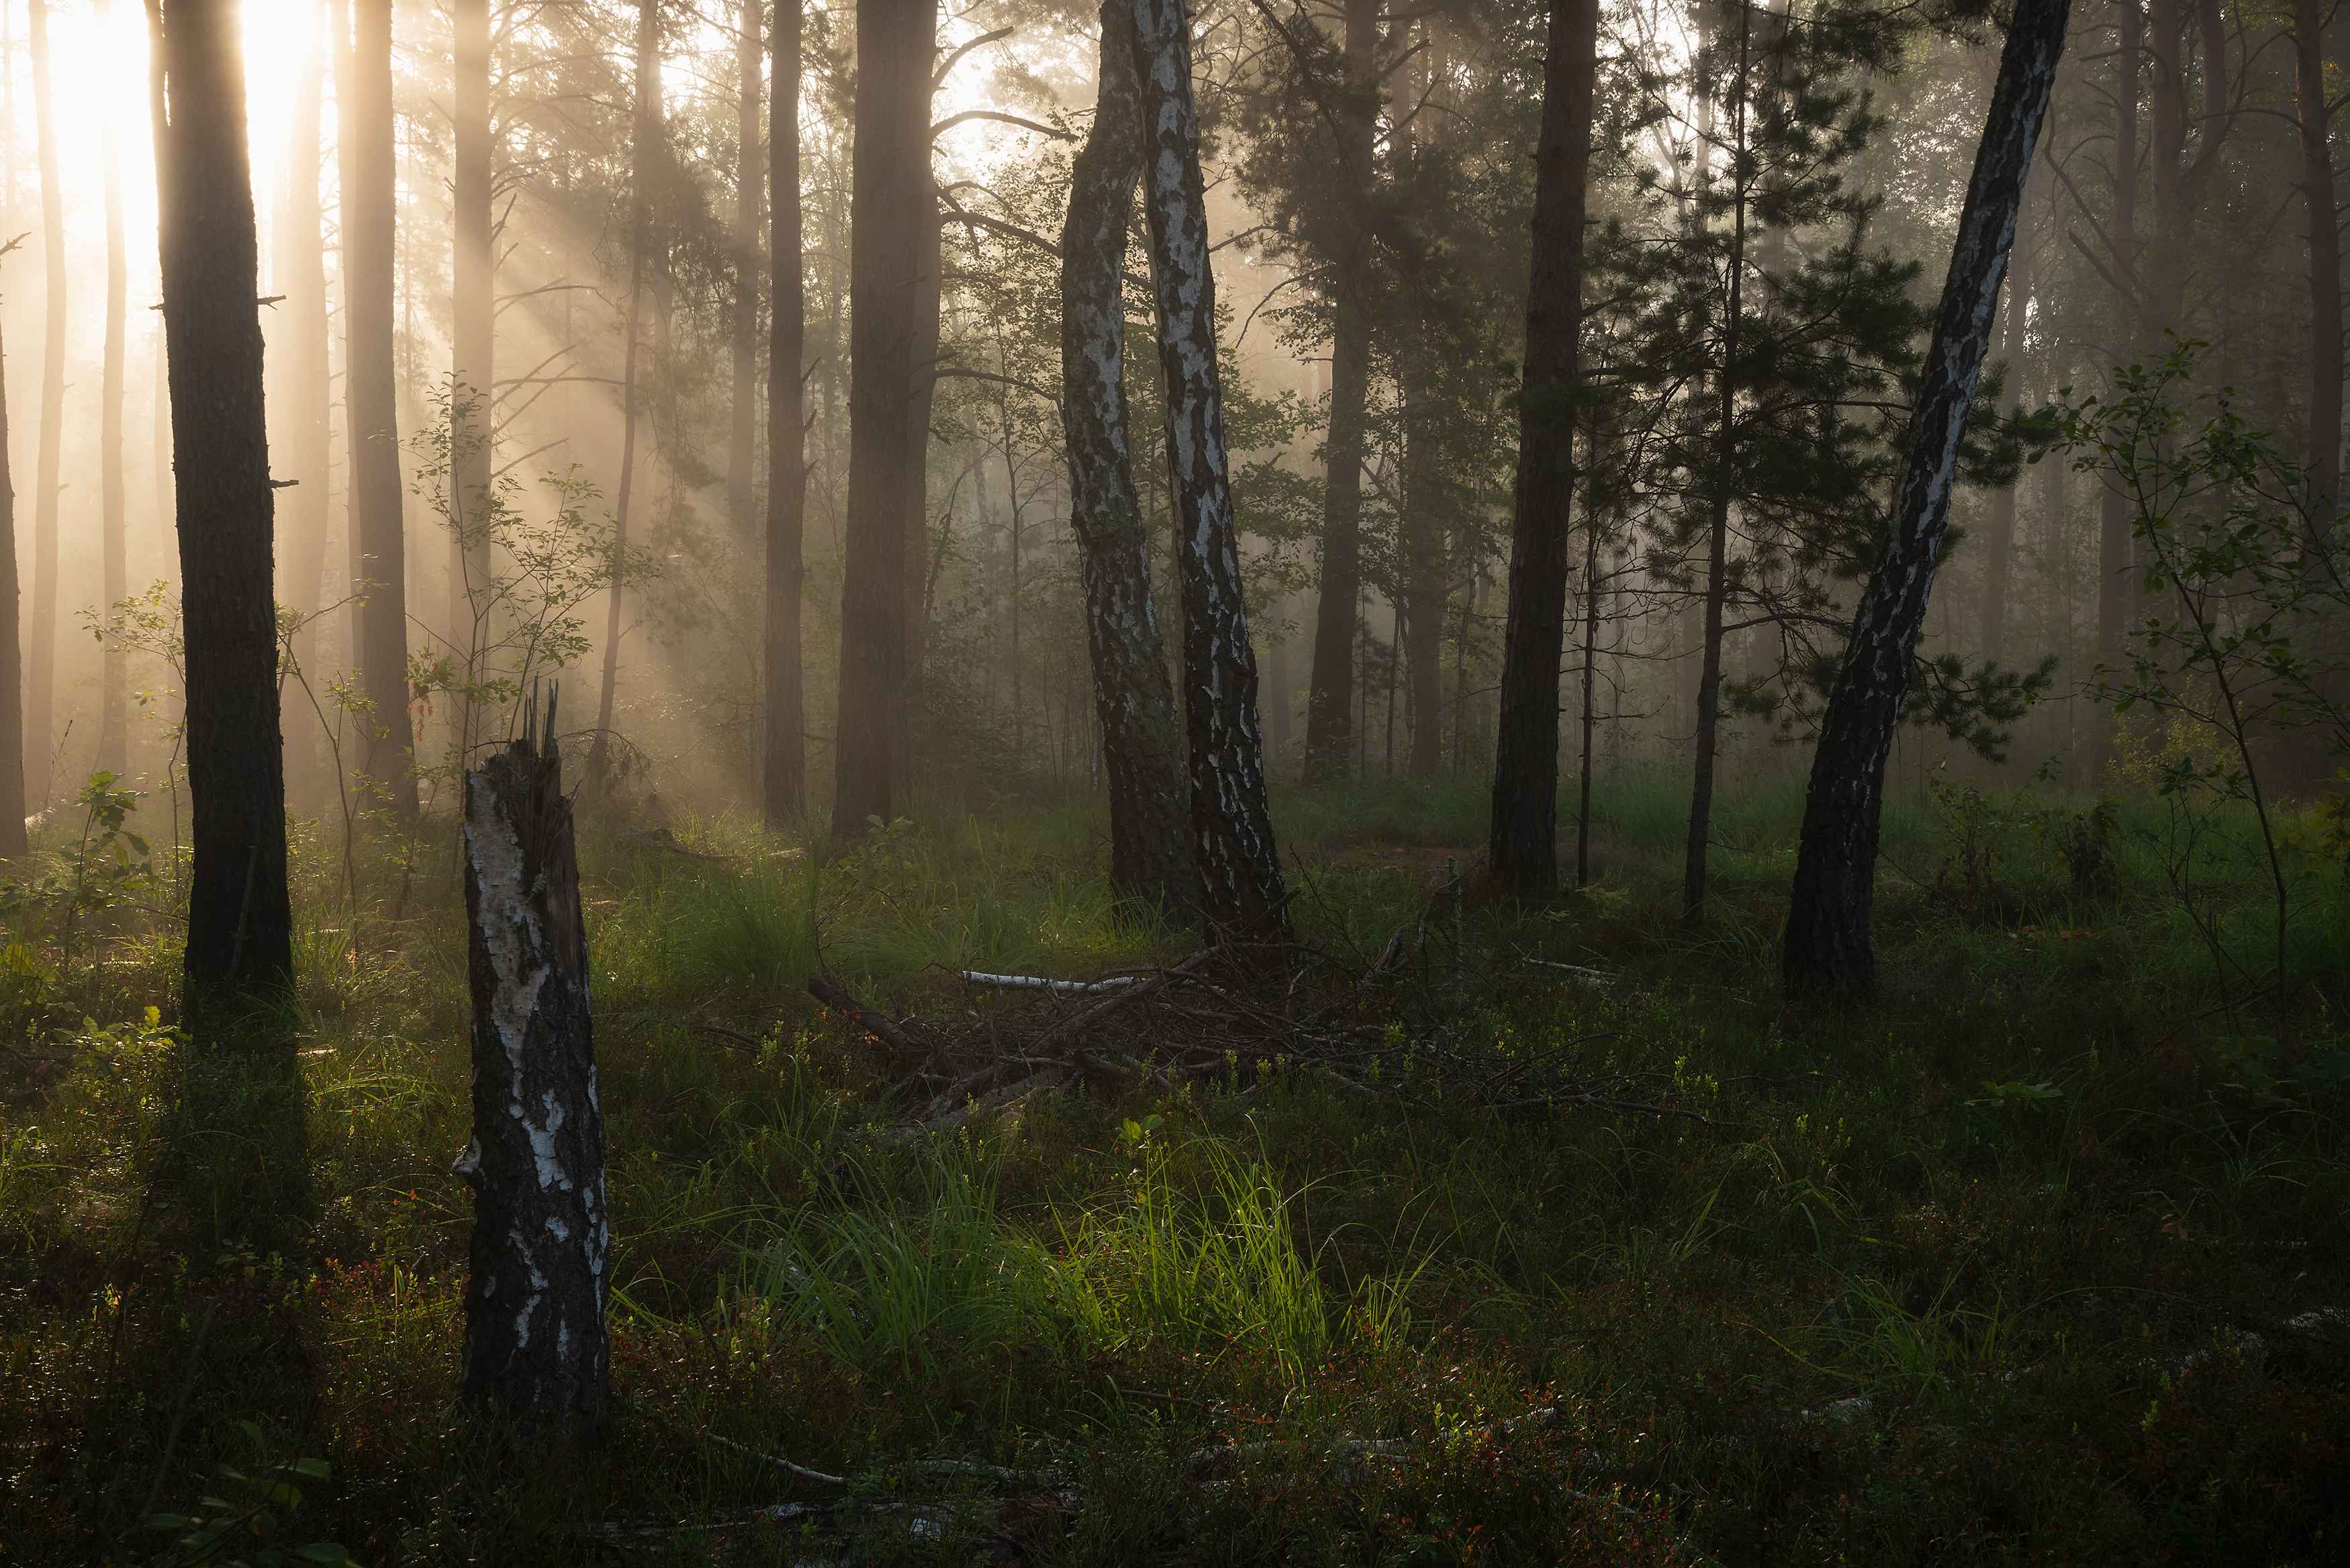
<point>536,1356</point>
<point>1232,824</point>
<point>1142,740</point>
<point>1827,941</point>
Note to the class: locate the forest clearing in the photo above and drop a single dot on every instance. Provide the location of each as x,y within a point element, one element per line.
<point>1148,781</point>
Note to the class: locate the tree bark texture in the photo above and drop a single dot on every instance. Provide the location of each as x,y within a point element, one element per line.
<point>889,191</point>
<point>536,1356</point>
<point>13,840</point>
<point>784,779</point>
<point>473,311</point>
<point>301,396</point>
<point>239,920</point>
<point>2113,508</point>
<point>920,392</point>
<point>1522,846</point>
<point>1828,936</point>
<point>1141,737</point>
<point>1330,699</point>
<point>41,633</point>
<point>741,459</point>
<point>1231,822</point>
<point>114,694</point>
<point>2312,116</point>
<point>378,491</point>
<point>645,127</point>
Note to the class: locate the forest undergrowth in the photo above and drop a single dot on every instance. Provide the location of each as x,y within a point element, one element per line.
<point>2041,1257</point>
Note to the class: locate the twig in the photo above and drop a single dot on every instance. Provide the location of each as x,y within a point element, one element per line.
<point>749,1042</point>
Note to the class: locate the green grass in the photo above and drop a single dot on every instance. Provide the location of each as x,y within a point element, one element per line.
<point>2003,1266</point>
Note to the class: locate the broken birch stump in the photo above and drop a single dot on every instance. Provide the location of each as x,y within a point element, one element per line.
<point>536,1360</point>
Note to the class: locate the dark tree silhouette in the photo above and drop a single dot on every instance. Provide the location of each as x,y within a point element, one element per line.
<point>784,778</point>
<point>41,632</point>
<point>1523,849</point>
<point>891,195</point>
<point>239,920</point>
<point>1827,938</point>
<point>379,543</point>
<point>1142,743</point>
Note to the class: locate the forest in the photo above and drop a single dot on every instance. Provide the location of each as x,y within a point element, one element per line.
<point>1173,781</point>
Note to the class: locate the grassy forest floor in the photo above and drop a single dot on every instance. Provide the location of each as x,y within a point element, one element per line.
<point>2041,1257</point>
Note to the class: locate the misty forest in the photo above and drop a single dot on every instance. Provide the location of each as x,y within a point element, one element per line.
<point>1174,780</point>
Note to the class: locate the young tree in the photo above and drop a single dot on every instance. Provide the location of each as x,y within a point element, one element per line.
<point>784,779</point>
<point>2129,310</point>
<point>378,547</point>
<point>890,191</point>
<point>1231,822</point>
<point>742,412</point>
<point>1827,938</point>
<point>240,923</point>
<point>474,307</point>
<point>1141,737</point>
<point>1523,849</point>
<point>41,633</point>
<point>645,128</point>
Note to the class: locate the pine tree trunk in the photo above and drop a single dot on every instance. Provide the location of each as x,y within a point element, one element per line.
<point>1141,737</point>
<point>2165,35</point>
<point>2113,508</point>
<point>536,1357</point>
<point>645,128</point>
<point>301,397</point>
<point>889,191</point>
<point>1999,547</point>
<point>1523,849</point>
<point>742,459</point>
<point>1330,699</point>
<point>365,147</point>
<point>919,395</point>
<point>474,307</point>
<point>41,633</point>
<point>239,919</point>
<point>1231,822</point>
<point>784,779</point>
<point>114,693</point>
<point>12,662</point>
<point>1827,938</point>
<point>2314,123</point>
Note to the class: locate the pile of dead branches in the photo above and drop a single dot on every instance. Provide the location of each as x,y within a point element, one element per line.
<point>1236,1012</point>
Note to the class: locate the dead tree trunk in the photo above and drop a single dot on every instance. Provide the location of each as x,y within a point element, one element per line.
<point>1141,738</point>
<point>1827,938</point>
<point>378,494</point>
<point>114,696</point>
<point>240,924</point>
<point>785,777</point>
<point>1330,699</point>
<point>537,1355</point>
<point>41,637</point>
<point>742,461</point>
<point>890,190</point>
<point>1231,822</point>
<point>1524,847</point>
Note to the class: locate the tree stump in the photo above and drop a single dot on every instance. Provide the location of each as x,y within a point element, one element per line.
<point>538,1359</point>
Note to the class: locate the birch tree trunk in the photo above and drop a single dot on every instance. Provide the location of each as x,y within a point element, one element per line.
<point>1141,738</point>
<point>536,1356</point>
<point>1330,699</point>
<point>784,780</point>
<point>1232,824</point>
<point>1522,848</point>
<point>41,634</point>
<point>889,190</point>
<point>741,458</point>
<point>114,694</point>
<point>1827,938</point>
<point>365,148</point>
<point>239,920</point>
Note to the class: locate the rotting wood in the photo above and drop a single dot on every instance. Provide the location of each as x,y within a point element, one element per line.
<point>536,1355</point>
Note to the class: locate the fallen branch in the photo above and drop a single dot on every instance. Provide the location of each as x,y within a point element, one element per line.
<point>1038,983</point>
<point>909,1055</point>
